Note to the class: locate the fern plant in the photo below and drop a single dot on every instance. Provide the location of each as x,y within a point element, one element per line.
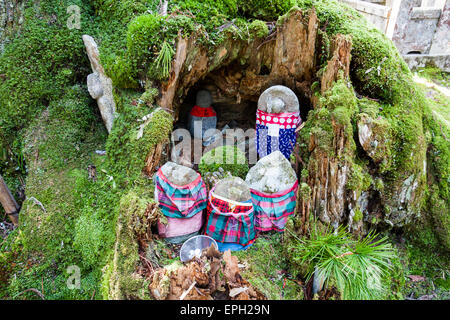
<point>356,267</point>
<point>164,60</point>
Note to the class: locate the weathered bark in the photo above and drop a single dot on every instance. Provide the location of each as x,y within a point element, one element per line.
<point>328,170</point>
<point>8,202</point>
<point>153,159</point>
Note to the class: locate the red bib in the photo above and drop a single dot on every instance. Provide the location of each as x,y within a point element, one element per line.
<point>203,112</point>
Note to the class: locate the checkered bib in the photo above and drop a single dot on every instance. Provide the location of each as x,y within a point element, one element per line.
<point>273,210</point>
<point>276,131</point>
<point>182,206</point>
<point>180,201</point>
<point>229,221</point>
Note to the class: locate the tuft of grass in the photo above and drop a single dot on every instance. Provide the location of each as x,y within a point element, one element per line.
<point>164,59</point>
<point>357,268</point>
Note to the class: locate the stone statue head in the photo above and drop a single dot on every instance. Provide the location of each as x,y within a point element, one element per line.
<point>204,99</point>
<point>275,105</point>
<point>278,99</point>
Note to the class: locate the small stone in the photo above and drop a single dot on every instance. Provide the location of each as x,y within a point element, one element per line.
<point>233,188</point>
<point>178,174</point>
<point>95,86</point>
<point>271,174</point>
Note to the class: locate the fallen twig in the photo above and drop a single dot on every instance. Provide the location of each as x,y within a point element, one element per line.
<point>188,290</point>
<point>33,290</point>
<point>149,264</point>
<point>36,201</point>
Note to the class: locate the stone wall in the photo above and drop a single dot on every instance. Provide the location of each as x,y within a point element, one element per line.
<point>441,40</point>
<point>415,27</point>
<point>419,28</point>
<point>440,61</point>
<point>376,13</point>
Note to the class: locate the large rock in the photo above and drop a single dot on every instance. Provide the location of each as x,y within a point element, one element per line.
<point>271,174</point>
<point>375,138</point>
<point>177,174</point>
<point>233,188</point>
<point>99,85</point>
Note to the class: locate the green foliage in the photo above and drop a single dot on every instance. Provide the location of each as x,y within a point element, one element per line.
<point>121,281</point>
<point>268,10</point>
<point>52,286</point>
<point>149,96</point>
<point>207,9</point>
<point>66,122</point>
<point>358,215</point>
<point>150,44</point>
<point>258,29</point>
<point>58,145</point>
<point>418,258</point>
<point>435,74</point>
<point>340,100</point>
<point>229,158</point>
<point>123,10</point>
<point>356,267</point>
<point>88,238</point>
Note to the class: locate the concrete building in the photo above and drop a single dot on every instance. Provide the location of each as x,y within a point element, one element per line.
<point>419,28</point>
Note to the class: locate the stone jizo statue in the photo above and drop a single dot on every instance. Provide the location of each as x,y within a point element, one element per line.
<point>277,119</point>
<point>202,116</point>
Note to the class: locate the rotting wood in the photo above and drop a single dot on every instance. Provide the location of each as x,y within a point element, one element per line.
<point>8,202</point>
<point>339,62</point>
<point>153,158</point>
<point>328,172</point>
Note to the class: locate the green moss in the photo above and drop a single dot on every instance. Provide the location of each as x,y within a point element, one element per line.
<point>435,74</point>
<point>38,64</point>
<point>126,151</point>
<point>379,184</point>
<point>228,158</point>
<point>305,191</point>
<point>369,107</point>
<point>358,215</point>
<point>359,179</point>
<point>418,259</point>
<point>268,10</point>
<point>208,9</point>
<point>57,188</point>
<point>122,10</point>
<point>88,238</point>
<point>266,267</point>
<point>124,282</point>
<point>341,101</point>
<point>258,29</point>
